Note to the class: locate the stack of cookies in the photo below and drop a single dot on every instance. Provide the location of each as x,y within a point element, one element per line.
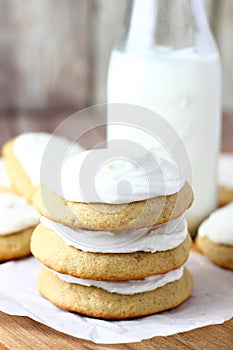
<point>18,220</point>
<point>108,254</point>
<point>22,158</point>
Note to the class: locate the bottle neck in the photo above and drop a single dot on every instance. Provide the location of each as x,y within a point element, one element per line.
<point>174,24</point>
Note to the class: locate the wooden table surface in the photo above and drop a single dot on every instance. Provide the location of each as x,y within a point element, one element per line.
<point>22,333</point>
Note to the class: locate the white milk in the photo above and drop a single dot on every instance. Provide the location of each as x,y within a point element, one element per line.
<point>185,89</point>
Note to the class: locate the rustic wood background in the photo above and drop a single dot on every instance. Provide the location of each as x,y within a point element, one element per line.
<point>54,55</point>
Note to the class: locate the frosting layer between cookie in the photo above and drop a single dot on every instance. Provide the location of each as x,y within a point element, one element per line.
<point>127,287</point>
<point>149,239</point>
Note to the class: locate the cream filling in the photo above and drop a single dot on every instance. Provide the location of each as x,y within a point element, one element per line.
<point>4,179</point>
<point>127,287</point>
<point>118,176</point>
<point>225,170</point>
<point>219,226</point>
<point>16,214</point>
<point>159,238</point>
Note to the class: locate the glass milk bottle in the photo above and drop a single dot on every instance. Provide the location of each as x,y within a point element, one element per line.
<point>166,60</point>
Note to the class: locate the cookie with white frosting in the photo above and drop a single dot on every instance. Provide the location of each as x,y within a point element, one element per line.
<point>111,189</point>
<point>24,156</point>
<point>225,178</point>
<point>100,216</point>
<point>56,253</point>
<point>215,237</point>
<point>18,220</point>
<point>99,302</point>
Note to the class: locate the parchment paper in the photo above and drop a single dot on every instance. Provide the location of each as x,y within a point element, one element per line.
<point>210,303</point>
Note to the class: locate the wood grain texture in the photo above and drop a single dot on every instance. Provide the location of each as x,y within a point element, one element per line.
<point>44,54</point>
<point>16,123</point>
<point>3,347</point>
<point>54,54</point>
<point>107,18</point>
<point>22,333</point>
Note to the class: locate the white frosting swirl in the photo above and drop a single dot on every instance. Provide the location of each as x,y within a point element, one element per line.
<point>127,287</point>
<point>118,176</point>
<point>160,238</point>
<point>29,149</point>
<point>219,226</point>
<point>4,179</point>
<point>16,214</point>
<point>225,170</point>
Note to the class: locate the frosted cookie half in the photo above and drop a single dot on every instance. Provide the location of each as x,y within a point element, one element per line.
<point>115,189</point>
<point>17,222</point>
<point>24,156</point>
<point>215,237</point>
<point>99,216</point>
<point>97,302</point>
<point>51,249</point>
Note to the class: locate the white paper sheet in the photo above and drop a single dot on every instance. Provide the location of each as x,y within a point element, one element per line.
<point>210,303</point>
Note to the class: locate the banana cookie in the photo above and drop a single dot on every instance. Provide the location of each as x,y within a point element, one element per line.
<point>101,216</point>
<point>23,157</point>
<point>124,255</point>
<point>113,238</point>
<point>115,274</point>
<point>118,300</point>
<point>18,220</point>
<point>100,191</point>
<point>215,237</point>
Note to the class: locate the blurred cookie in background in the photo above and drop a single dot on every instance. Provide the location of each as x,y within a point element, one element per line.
<point>225,179</point>
<point>215,237</point>
<point>23,156</point>
<point>17,221</point>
